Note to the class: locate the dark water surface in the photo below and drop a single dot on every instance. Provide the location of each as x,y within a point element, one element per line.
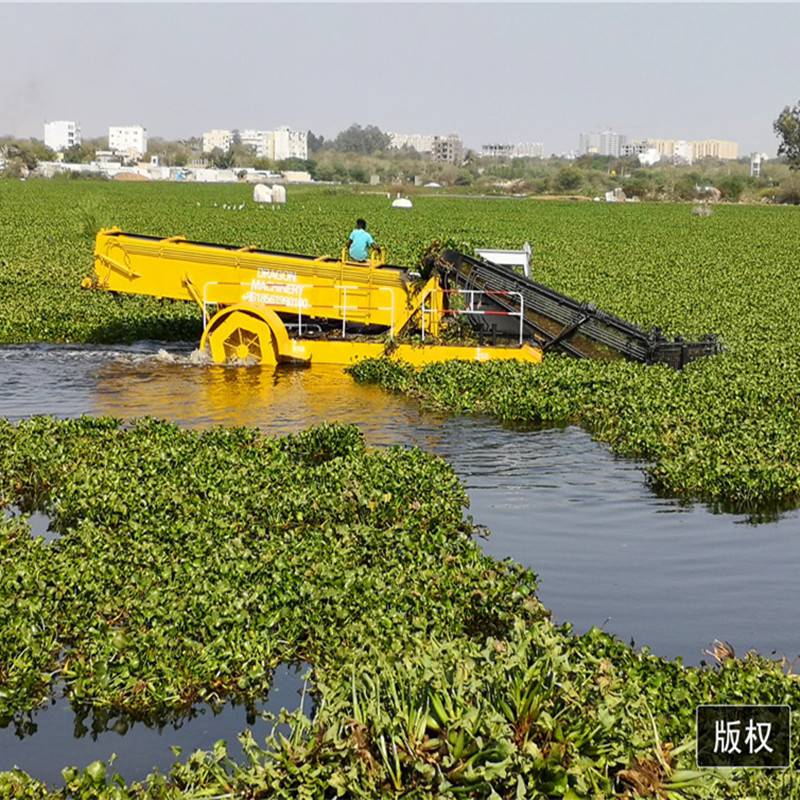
<point>44,742</point>
<point>607,550</point>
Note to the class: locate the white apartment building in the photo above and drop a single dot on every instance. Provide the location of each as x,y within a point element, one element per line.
<point>289,144</point>
<point>214,139</point>
<point>61,134</point>
<point>260,141</point>
<point>130,141</point>
<point>421,142</point>
<point>519,150</point>
<point>277,145</point>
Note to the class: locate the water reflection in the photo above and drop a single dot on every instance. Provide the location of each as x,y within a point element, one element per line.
<point>76,737</point>
<point>275,400</point>
<point>40,524</point>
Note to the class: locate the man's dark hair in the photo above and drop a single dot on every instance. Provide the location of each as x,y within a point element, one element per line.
<point>361,223</point>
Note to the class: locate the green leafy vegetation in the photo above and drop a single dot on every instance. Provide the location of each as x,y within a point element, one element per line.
<point>787,129</point>
<point>190,564</point>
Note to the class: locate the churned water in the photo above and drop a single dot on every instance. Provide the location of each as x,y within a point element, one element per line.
<point>607,550</point>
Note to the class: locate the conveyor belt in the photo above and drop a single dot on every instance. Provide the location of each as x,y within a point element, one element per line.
<point>557,322</point>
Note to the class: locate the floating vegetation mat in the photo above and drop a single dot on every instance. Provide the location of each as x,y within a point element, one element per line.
<point>190,565</point>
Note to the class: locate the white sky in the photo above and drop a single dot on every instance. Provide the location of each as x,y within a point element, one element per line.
<point>512,72</point>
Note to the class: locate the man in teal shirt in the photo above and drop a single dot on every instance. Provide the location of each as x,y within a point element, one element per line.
<point>360,241</point>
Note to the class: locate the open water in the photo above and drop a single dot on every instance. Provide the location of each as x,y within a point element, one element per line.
<point>607,551</point>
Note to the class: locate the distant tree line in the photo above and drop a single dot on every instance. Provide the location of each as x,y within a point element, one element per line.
<point>358,153</point>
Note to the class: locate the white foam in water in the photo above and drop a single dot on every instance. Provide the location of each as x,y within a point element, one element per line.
<point>199,358</point>
<point>167,358</point>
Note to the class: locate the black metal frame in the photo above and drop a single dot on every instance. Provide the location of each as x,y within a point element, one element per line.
<point>556,321</point>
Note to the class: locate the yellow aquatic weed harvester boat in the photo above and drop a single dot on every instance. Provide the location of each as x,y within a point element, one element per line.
<point>270,307</point>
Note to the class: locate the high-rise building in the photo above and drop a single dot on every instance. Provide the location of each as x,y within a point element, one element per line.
<point>611,142</point>
<point>448,149</point>
<point>217,139</point>
<point>130,141</point>
<point>588,143</point>
<point>665,147</point>
<point>61,134</point>
<point>602,143</point>
<point>519,150</point>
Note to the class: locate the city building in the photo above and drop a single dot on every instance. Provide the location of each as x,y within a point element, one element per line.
<point>519,150</point>
<point>447,149</point>
<point>287,143</point>
<point>715,148</point>
<point>683,151</point>
<point>259,141</point>
<point>634,148</point>
<point>611,142</point>
<point>601,143</point>
<point>675,150</point>
<point>421,142</point>
<point>665,147</point>
<point>129,141</point>
<point>61,134</point>
<point>277,145</point>
<point>217,139</point>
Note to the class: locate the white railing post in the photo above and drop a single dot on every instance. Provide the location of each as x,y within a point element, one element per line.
<point>300,309</point>
<point>390,309</point>
<point>344,312</point>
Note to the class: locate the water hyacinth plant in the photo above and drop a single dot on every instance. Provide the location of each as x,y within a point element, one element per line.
<point>188,565</point>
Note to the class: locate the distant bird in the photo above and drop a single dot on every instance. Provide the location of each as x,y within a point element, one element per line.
<point>241,206</point>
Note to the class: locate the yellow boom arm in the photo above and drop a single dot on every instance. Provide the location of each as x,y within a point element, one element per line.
<point>334,289</point>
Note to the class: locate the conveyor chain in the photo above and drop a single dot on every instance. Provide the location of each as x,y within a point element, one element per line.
<point>556,321</point>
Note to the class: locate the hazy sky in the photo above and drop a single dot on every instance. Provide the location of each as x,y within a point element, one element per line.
<point>489,72</point>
